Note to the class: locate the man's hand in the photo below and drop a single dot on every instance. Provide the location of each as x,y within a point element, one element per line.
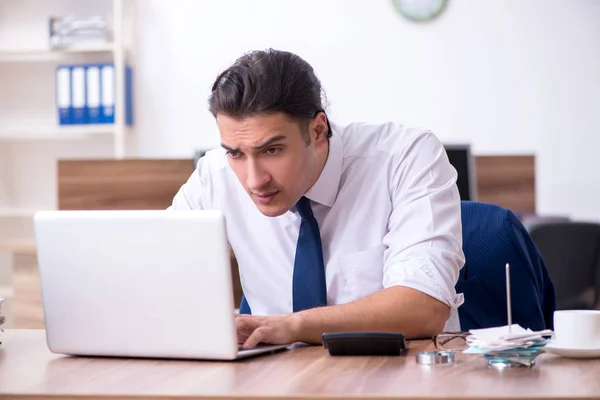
<point>280,329</point>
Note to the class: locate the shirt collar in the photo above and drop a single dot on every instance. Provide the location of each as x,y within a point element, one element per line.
<point>325,189</point>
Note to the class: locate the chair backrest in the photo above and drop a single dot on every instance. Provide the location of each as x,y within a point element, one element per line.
<point>530,221</point>
<point>571,251</point>
<point>492,237</point>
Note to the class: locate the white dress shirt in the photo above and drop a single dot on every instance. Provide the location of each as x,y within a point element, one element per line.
<point>388,210</point>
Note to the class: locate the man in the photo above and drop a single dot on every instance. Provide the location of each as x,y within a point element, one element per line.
<point>335,228</point>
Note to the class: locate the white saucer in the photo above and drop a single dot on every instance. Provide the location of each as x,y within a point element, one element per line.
<point>556,348</point>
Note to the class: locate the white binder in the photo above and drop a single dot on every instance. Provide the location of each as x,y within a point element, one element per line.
<point>107,77</point>
<point>63,95</point>
<point>92,106</point>
<point>78,90</point>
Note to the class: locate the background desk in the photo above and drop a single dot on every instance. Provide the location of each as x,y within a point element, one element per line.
<point>29,371</point>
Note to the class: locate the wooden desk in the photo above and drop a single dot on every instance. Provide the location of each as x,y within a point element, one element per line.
<point>28,370</point>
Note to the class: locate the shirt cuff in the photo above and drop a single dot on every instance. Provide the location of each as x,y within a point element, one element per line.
<point>419,274</point>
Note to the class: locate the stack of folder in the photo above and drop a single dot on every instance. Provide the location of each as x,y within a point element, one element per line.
<point>85,94</point>
<point>69,31</point>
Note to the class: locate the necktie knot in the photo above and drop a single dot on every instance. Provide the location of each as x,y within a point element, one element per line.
<point>303,208</point>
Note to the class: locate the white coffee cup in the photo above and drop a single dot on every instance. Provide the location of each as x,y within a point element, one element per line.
<point>577,329</point>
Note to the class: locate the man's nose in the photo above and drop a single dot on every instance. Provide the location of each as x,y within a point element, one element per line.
<point>257,176</point>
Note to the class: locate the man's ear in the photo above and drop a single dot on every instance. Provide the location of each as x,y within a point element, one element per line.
<point>319,128</point>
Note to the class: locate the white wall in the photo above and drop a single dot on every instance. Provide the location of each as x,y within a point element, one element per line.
<point>508,76</point>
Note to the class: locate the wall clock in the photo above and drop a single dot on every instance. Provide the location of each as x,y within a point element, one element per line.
<point>420,10</point>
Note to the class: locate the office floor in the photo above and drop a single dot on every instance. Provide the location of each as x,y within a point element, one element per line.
<point>28,310</point>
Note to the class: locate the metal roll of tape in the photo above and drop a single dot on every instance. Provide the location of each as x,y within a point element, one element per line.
<point>435,357</point>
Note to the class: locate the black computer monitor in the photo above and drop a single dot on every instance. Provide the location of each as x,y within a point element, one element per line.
<point>462,160</point>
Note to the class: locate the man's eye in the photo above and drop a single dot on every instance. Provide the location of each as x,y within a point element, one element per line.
<point>233,153</point>
<point>272,150</point>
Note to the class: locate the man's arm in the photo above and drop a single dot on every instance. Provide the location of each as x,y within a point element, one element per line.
<point>395,309</point>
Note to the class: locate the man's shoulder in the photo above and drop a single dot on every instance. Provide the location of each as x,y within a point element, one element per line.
<point>362,139</point>
<point>211,168</point>
<point>213,161</point>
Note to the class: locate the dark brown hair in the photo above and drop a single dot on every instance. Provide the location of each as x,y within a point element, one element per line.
<point>268,81</point>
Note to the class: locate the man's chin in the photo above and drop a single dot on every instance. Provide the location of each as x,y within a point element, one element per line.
<point>271,206</point>
<point>271,210</point>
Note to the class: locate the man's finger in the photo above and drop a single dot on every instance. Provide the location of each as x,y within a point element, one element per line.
<point>259,335</point>
<point>242,336</point>
<point>245,327</point>
<point>242,323</point>
<point>247,317</point>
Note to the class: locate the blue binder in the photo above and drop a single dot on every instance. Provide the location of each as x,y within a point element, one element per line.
<point>78,93</point>
<point>63,95</point>
<point>85,94</point>
<point>92,94</point>
<point>128,96</point>
<point>107,93</point>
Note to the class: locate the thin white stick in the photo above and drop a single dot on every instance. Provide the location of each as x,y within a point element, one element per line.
<point>508,305</point>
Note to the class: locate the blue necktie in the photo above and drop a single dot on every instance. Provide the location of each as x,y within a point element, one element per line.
<point>308,287</point>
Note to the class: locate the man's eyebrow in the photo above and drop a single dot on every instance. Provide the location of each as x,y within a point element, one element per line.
<point>269,142</point>
<point>260,146</point>
<point>227,147</point>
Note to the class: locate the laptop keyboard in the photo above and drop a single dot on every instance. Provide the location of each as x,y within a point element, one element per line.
<point>257,347</point>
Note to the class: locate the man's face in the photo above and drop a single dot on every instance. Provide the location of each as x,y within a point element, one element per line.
<point>271,158</point>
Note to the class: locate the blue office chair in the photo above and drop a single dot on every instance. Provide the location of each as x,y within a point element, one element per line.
<point>492,237</point>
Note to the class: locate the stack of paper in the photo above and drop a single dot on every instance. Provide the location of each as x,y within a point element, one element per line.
<point>504,347</point>
<point>69,31</point>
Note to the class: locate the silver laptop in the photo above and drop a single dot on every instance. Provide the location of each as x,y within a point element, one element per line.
<point>138,284</point>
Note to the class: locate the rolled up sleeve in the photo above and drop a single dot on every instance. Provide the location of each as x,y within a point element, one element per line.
<point>424,239</point>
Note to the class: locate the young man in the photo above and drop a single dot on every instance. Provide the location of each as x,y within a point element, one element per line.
<point>335,228</point>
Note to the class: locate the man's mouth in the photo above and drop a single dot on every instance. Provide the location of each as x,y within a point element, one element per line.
<point>265,198</point>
